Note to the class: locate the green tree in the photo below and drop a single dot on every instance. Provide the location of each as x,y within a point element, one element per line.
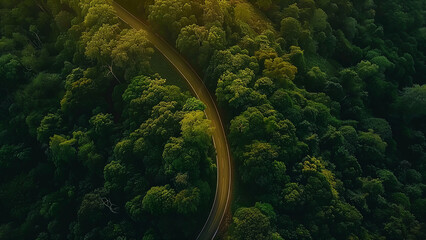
<point>412,102</point>
<point>79,96</point>
<point>291,30</point>
<point>181,157</point>
<point>11,70</point>
<point>193,104</point>
<point>264,86</point>
<point>250,223</point>
<point>196,128</point>
<point>371,148</point>
<point>63,152</point>
<point>100,45</point>
<point>372,187</point>
<point>115,176</point>
<point>232,60</point>
<point>315,80</point>
<point>192,41</point>
<point>235,90</point>
<point>132,52</point>
<point>291,196</point>
<point>98,14</point>
<point>172,15</point>
<point>281,71</point>
<point>135,208</point>
<point>257,164</point>
<point>88,154</point>
<point>91,212</point>
<point>159,200</point>
<point>389,180</point>
<point>50,125</point>
<point>102,124</point>
<point>187,201</point>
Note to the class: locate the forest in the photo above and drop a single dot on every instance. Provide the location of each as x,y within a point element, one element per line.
<point>323,101</point>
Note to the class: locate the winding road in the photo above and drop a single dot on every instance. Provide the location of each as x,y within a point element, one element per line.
<point>224,169</point>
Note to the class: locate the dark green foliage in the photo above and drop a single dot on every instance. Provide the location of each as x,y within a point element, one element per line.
<point>325,103</point>
<point>159,200</point>
<point>412,103</point>
<point>85,125</point>
<point>351,57</point>
<point>251,223</point>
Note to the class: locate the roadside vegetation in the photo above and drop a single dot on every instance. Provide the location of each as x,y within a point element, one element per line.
<point>94,144</point>
<point>325,103</point>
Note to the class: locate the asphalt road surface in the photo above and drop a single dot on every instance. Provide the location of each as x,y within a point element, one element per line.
<point>223,159</point>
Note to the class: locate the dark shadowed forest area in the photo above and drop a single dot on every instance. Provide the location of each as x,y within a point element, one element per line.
<point>324,104</point>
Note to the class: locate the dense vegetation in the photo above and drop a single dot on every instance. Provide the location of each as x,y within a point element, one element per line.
<point>326,101</point>
<point>93,143</point>
<point>326,104</point>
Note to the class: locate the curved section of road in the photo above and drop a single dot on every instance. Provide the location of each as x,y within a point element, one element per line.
<point>223,158</point>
